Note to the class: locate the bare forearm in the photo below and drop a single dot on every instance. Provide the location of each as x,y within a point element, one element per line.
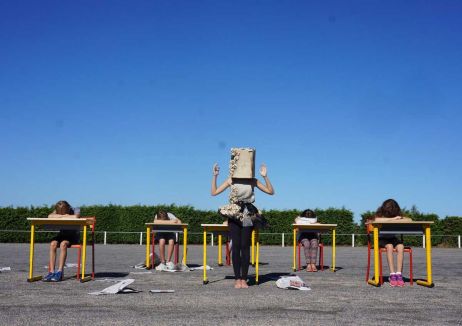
<point>268,185</point>
<point>213,192</point>
<point>54,215</point>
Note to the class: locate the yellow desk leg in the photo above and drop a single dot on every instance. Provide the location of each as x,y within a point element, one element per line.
<point>333,250</point>
<point>257,259</point>
<point>253,248</point>
<point>31,256</point>
<point>376,281</point>
<point>220,258</point>
<point>294,266</point>
<point>84,255</point>
<point>428,251</point>
<point>204,263</point>
<point>185,244</point>
<point>148,244</point>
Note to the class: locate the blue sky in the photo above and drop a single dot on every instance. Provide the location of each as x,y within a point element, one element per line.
<point>347,102</point>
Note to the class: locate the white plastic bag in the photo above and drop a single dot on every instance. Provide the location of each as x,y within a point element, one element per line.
<point>292,283</point>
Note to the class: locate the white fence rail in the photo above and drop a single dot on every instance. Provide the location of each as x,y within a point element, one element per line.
<point>106,235</point>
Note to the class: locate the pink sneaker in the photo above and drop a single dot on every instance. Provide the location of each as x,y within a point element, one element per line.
<point>393,280</point>
<point>399,279</point>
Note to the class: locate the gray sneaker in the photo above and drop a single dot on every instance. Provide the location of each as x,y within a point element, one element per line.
<point>161,267</point>
<point>170,265</point>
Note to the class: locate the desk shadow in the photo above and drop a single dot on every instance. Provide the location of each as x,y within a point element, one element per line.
<point>110,275</point>
<point>260,264</point>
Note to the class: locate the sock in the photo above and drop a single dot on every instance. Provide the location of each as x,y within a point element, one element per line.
<point>398,273</point>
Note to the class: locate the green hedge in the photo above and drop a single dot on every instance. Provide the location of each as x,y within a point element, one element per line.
<point>115,218</point>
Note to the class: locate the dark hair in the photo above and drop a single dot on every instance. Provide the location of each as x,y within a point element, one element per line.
<point>62,207</point>
<point>389,208</point>
<point>162,215</point>
<point>308,213</point>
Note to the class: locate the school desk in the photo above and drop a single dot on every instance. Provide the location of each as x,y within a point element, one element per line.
<point>164,227</point>
<point>62,224</point>
<point>315,228</point>
<point>220,230</point>
<point>403,227</point>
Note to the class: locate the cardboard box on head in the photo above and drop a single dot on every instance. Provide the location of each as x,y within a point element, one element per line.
<point>242,164</point>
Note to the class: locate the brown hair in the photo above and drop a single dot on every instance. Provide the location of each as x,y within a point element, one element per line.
<point>389,208</point>
<point>308,213</point>
<point>62,207</point>
<point>162,215</point>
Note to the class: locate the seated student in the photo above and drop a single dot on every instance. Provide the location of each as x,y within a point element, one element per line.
<point>162,237</point>
<point>309,240</point>
<point>390,210</point>
<point>64,240</point>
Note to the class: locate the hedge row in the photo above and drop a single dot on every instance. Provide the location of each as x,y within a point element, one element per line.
<point>114,218</point>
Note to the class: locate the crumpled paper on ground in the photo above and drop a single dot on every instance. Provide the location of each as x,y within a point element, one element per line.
<point>292,283</point>
<point>120,287</point>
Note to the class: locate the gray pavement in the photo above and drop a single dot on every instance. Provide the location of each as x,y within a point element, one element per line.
<point>340,298</point>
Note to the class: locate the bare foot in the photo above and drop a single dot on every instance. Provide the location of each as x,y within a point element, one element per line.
<point>313,268</point>
<point>308,268</point>
<point>237,284</point>
<point>244,284</point>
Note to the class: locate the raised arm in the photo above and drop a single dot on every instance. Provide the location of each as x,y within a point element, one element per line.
<point>267,187</point>
<point>215,191</point>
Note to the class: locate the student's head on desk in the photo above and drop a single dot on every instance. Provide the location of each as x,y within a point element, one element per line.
<point>162,215</point>
<point>389,208</point>
<point>63,208</point>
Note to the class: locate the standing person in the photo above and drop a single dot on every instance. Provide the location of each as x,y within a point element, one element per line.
<point>390,210</point>
<point>163,237</point>
<point>242,216</point>
<point>64,240</point>
<point>309,240</point>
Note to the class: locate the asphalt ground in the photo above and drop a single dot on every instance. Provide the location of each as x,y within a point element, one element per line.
<point>340,298</point>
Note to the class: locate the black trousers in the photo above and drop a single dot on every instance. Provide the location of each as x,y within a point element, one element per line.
<point>241,237</point>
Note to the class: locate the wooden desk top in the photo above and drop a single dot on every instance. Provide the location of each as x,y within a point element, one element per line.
<point>60,221</point>
<point>167,224</point>
<point>399,222</point>
<point>315,226</point>
<point>215,227</point>
<point>167,227</point>
<point>400,227</point>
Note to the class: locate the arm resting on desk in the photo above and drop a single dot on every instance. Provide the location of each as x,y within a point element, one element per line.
<point>54,215</point>
<point>389,219</point>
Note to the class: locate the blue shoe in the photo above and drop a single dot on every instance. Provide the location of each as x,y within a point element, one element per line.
<point>57,277</point>
<point>48,277</point>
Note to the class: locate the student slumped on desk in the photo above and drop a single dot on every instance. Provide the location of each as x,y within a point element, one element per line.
<point>162,238</point>
<point>63,240</point>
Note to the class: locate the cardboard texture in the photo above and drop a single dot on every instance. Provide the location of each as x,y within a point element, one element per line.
<point>242,163</point>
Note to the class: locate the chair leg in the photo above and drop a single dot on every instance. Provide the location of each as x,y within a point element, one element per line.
<point>153,250</point>
<point>368,262</point>
<point>79,254</point>
<point>321,257</point>
<point>411,279</point>
<point>176,253</point>
<point>299,264</point>
<point>380,267</point>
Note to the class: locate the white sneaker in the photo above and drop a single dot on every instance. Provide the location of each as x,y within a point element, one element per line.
<point>161,267</point>
<point>170,265</point>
